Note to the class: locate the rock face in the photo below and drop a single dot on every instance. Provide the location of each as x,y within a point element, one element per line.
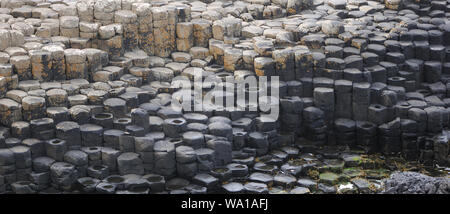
<point>416,183</point>
<point>331,27</point>
<point>249,96</point>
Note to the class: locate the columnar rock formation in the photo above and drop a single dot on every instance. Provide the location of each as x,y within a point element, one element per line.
<point>86,89</point>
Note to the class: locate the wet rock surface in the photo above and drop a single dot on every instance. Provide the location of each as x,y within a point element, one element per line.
<point>99,96</point>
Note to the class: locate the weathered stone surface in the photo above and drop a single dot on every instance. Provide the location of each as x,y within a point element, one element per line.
<point>94,84</point>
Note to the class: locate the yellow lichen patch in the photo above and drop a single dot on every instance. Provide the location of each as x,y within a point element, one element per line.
<point>372,187</point>
<point>314,174</point>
